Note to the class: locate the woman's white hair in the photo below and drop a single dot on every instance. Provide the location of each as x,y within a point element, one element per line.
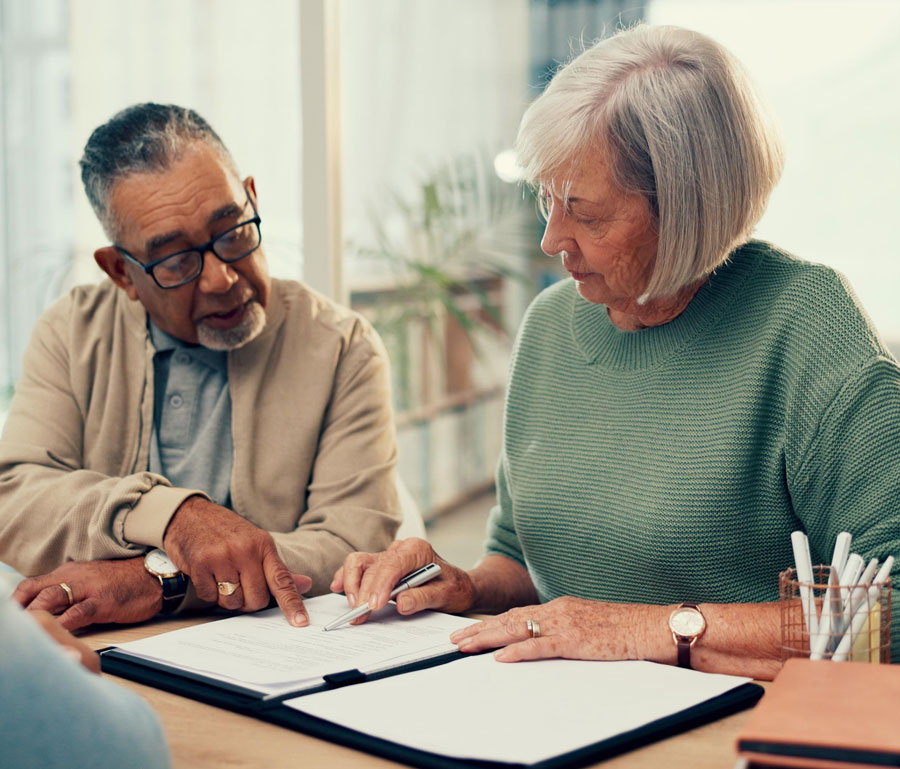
<point>680,122</point>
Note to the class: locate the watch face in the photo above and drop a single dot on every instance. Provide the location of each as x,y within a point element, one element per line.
<point>687,622</point>
<point>157,562</point>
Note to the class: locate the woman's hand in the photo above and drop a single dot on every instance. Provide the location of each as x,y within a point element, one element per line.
<point>572,628</point>
<point>371,577</point>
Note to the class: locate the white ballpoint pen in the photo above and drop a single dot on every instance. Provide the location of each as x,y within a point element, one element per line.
<point>805,578</point>
<point>861,612</point>
<point>832,619</point>
<point>416,578</point>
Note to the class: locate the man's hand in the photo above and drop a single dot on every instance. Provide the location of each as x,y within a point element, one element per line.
<point>78,650</point>
<point>213,544</point>
<point>371,577</point>
<point>102,591</point>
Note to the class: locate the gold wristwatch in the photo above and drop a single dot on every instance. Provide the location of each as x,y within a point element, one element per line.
<point>687,624</point>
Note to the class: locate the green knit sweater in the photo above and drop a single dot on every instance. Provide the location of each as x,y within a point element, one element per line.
<point>672,463</point>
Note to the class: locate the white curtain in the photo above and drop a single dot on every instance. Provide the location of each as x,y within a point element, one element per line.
<point>36,210</point>
<point>423,82</point>
<point>236,63</point>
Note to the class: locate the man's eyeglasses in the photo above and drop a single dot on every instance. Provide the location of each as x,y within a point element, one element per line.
<point>184,266</point>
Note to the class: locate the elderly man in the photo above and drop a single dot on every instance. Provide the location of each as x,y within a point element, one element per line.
<point>190,425</point>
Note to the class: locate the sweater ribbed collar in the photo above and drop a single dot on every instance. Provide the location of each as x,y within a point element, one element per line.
<point>603,344</point>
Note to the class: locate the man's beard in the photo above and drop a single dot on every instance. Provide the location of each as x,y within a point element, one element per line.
<point>250,327</point>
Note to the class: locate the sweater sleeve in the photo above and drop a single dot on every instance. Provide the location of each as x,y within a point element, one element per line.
<point>849,477</point>
<point>52,507</point>
<point>55,713</point>
<point>352,501</point>
<point>501,529</point>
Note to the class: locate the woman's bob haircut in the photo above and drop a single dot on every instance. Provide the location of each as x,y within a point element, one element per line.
<point>679,121</point>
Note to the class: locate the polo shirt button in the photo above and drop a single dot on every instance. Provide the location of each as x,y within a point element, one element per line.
<point>176,401</point>
<point>182,358</point>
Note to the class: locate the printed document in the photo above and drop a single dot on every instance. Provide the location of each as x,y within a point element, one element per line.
<point>262,652</point>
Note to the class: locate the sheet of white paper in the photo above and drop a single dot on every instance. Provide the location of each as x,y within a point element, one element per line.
<point>263,652</point>
<point>525,712</point>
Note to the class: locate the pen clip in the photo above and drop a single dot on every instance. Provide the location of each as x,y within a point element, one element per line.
<point>417,572</point>
<point>419,577</point>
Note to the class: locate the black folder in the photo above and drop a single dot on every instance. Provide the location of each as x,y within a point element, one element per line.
<point>252,703</point>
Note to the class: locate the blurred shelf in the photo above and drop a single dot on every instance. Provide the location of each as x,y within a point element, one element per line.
<point>452,402</point>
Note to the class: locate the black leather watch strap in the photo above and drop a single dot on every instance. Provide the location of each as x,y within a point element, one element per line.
<point>174,590</point>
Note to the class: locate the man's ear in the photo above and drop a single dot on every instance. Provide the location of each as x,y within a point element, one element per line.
<point>113,264</point>
<point>250,186</point>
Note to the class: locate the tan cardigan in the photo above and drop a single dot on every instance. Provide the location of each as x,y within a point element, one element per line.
<point>314,442</point>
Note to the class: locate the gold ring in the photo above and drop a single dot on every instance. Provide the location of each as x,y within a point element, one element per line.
<point>227,588</point>
<point>534,627</point>
<point>68,591</point>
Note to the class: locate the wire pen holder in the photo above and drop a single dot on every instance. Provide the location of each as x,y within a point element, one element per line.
<point>826,620</point>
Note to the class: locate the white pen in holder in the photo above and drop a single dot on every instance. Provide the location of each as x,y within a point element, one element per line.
<point>853,620</point>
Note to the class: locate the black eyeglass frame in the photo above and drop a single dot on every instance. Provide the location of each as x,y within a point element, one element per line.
<point>208,246</point>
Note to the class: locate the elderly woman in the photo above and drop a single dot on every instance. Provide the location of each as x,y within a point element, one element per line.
<point>679,406</point>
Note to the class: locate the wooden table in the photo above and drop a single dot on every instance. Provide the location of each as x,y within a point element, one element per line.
<point>203,736</point>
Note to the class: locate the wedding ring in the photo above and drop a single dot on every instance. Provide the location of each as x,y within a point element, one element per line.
<point>68,591</point>
<point>227,588</point>
<point>534,627</point>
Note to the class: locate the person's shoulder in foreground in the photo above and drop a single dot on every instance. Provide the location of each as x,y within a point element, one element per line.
<point>53,712</point>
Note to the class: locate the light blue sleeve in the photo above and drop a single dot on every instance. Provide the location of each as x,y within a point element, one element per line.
<point>53,712</point>
<point>9,578</point>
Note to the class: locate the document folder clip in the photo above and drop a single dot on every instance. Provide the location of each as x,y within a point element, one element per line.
<point>344,678</point>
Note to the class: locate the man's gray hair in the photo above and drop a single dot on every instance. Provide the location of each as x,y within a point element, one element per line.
<point>143,138</point>
<point>680,122</point>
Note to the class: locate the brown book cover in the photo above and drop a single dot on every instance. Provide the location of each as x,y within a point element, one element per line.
<point>826,715</point>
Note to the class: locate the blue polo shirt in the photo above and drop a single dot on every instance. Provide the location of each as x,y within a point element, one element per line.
<point>192,445</point>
